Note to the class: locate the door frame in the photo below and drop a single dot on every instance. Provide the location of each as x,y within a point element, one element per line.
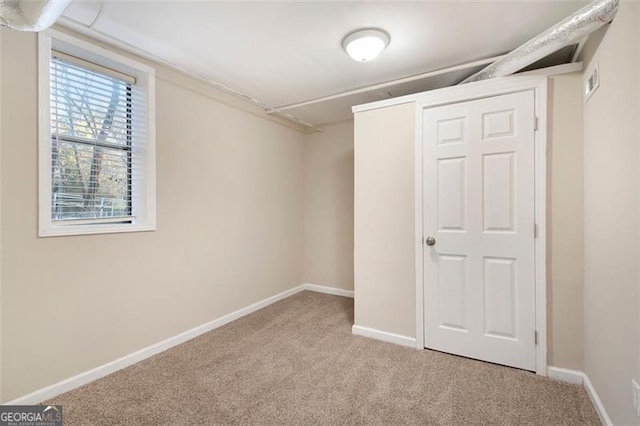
<point>469,92</point>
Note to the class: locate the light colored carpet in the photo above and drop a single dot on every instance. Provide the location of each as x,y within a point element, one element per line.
<point>296,362</point>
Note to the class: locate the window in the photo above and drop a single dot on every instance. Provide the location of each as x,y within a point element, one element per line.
<point>97,162</point>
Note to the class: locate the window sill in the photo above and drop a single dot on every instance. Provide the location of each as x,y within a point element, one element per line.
<point>69,230</point>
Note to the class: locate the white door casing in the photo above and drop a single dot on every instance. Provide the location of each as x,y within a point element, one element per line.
<point>478,182</point>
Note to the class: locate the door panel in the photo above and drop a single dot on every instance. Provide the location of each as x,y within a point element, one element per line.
<point>498,124</point>
<point>452,275</point>
<point>451,130</point>
<point>498,188</point>
<point>451,194</point>
<point>500,297</point>
<point>478,171</point>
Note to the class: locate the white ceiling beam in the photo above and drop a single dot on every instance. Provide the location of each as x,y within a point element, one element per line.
<point>386,84</point>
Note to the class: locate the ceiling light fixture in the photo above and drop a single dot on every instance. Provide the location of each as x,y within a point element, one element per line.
<point>366,44</point>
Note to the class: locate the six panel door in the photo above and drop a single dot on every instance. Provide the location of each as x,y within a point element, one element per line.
<point>478,183</point>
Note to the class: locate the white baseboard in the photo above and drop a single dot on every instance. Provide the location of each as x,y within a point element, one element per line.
<point>82,379</point>
<point>581,378</point>
<point>384,336</point>
<point>565,375</point>
<point>597,403</point>
<point>328,290</point>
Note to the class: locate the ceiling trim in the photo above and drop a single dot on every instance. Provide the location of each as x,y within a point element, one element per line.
<point>81,28</point>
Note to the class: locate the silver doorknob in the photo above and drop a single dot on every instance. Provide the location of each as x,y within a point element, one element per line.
<point>431,241</point>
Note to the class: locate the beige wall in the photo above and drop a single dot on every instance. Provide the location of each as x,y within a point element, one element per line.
<point>230,233</point>
<point>384,224</point>
<point>565,223</point>
<point>611,164</point>
<point>276,211</point>
<point>384,220</point>
<point>329,206</point>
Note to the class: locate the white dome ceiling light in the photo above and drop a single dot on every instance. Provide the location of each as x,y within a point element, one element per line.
<point>366,44</point>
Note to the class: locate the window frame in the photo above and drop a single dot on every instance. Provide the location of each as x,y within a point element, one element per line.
<point>143,200</point>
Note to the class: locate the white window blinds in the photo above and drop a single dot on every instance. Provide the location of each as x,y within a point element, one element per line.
<point>98,134</point>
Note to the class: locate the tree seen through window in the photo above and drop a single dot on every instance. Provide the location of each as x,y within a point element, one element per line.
<point>91,143</point>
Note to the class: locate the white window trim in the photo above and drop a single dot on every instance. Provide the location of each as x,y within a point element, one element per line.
<point>145,217</point>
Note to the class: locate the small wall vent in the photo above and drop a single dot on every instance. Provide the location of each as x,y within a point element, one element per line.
<point>592,82</point>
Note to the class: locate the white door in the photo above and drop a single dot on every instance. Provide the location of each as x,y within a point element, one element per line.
<point>478,183</point>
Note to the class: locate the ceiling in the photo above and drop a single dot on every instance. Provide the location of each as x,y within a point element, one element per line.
<point>284,53</point>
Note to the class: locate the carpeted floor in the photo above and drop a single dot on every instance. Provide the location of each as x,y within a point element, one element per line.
<point>296,362</point>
